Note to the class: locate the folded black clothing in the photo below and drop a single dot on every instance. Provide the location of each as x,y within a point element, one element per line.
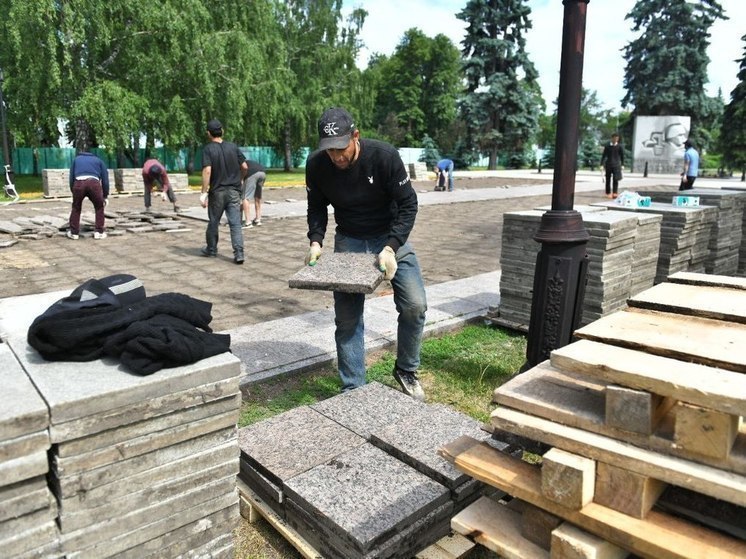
<point>163,341</point>
<point>79,334</point>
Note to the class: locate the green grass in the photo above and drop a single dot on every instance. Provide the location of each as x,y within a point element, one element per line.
<point>460,370</point>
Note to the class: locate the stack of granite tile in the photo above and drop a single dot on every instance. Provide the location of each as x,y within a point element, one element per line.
<point>129,181</point>
<point>140,465</point>
<point>622,253</point>
<point>359,475</point>
<point>742,249</point>
<point>685,236</point>
<point>56,182</point>
<point>727,230</point>
<point>28,511</point>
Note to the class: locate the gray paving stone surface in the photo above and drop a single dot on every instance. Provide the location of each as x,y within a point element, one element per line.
<point>364,495</point>
<point>417,439</point>
<point>370,408</point>
<point>340,271</point>
<point>293,442</point>
<point>22,409</point>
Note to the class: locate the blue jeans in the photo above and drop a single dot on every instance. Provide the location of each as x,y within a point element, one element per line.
<point>228,200</point>
<point>449,170</point>
<point>410,302</point>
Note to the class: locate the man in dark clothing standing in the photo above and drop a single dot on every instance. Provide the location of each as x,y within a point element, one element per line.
<point>375,208</point>
<point>223,169</point>
<point>612,159</point>
<point>89,178</point>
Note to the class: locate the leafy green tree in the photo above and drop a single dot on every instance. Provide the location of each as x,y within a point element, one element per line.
<point>666,67</point>
<point>733,128</point>
<point>501,106</point>
<point>419,84</point>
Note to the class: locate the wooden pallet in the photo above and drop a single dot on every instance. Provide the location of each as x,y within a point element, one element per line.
<point>658,535</point>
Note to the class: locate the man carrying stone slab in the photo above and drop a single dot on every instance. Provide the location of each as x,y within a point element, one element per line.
<point>375,208</point>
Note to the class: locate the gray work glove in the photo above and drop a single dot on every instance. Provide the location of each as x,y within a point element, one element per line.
<point>387,262</point>
<point>314,253</point>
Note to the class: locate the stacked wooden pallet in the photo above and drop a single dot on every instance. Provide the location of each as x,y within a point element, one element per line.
<point>644,417</point>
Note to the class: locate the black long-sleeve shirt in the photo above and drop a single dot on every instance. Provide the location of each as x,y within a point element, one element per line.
<point>372,197</point>
<point>612,156</point>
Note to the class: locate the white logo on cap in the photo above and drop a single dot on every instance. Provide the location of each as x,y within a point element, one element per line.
<point>331,128</point>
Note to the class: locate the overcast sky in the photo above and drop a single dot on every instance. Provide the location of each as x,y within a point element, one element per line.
<point>607,32</point>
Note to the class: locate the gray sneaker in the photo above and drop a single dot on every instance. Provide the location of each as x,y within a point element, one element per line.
<point>409,383</point>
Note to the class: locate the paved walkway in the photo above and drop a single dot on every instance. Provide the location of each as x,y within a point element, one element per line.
<point>276,329</point>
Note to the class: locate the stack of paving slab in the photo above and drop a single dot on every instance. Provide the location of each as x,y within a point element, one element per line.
<point>140,466</point>
<point>727,231</point>
<point>622,253</point>
<point>742,249</point>
<point>57,182</point>
<point>685,236</point>
<point>129,181</point>
<point>28,511</point>
<point>359,475</point>
<point>418,171</point>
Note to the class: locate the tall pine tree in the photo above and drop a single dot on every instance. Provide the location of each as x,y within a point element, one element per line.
<point>733,129</point>
<point>501,105</point>
<point>666,68</point>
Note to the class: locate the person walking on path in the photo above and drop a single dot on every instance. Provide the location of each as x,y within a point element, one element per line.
<point>154,173</point>
<point>375,208</point>
<point>691,166</point>
<point>252,190</point>
<point>223,169</point>
<point>444,168</point>
<point>89,178</point>
<point>612,160</point>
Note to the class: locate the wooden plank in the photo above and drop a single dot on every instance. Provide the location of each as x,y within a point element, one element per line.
<point>625,491</point>
<point>707,301</point>
<point>568,479</point>
<point>497,528</point>
<point>693,278</point>
<point>570,542</point>
<point>659,536</point>
<point>701,340</point>
<point>285,530</point>
<point>635,410</point>
<point>452,546</point>
<point>536,524</point>
<point>709,387</point>
<point>555,395</point>
<point>711,481</point>
<point>705,431</point>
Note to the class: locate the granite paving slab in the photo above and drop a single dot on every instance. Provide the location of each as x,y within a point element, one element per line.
<point>24,497</point>
<point>26,522</point>
<point>23,467</point>
<point>365,496</point>
<point>157,528</point>
<point>24,445</point>
<point>84,481</point>
<point>369,408</point>
<point>160,476</point>
<point>294,441</point>
<point>185,538</point>
<point>417,440</point>
<point>151,426</point>
<point>270,492</point>
<point>340,271</point>
<point>403,544</point>
<point>22,409</point>
<point>74,390</point>
<point>146,497</point>
<point>39,541</point>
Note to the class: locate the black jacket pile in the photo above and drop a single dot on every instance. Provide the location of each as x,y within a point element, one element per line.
<point>167,330</point>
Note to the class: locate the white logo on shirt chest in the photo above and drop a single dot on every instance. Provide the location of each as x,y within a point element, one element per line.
<point>370,180</point>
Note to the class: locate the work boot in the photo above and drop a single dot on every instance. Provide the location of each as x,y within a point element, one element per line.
<point>409,383</point>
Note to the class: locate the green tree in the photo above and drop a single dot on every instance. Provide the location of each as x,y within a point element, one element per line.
<point>430,154</point>
<point>418,84</point>
<point>733,128</point>
<point>666,67</point>
<point>501,105</point>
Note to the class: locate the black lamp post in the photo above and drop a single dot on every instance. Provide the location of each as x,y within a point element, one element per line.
<point>6,153</point>
<point>562,262</point>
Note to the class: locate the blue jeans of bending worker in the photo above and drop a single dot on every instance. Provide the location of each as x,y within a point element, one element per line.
<point>410,302</point>
<point>224,199</point>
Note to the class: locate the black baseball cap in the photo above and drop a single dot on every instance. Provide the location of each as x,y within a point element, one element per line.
<point>335,128</point>
<point>214,126</point>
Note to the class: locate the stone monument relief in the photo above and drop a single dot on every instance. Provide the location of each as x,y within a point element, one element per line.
<point>659,142</point>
